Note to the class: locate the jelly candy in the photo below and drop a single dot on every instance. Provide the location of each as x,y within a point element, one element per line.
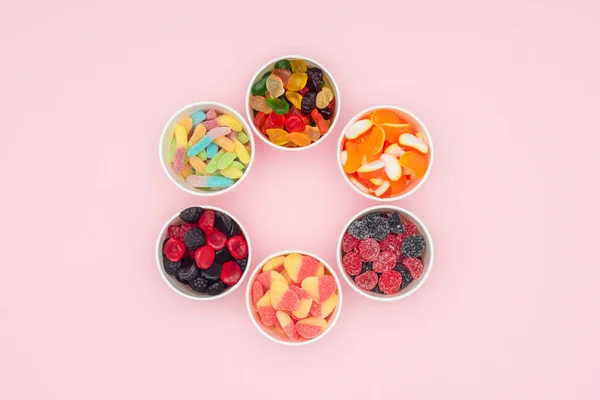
<point>284,74</point>
<point>275,263</point>
<point>282,298</point>
<point>268,277</point>
<point>211,150</point>
<point>265,310</point>
<point>358,128</point>
<point>287,325</point>
<point>207,139</point>
<point>297,81</point>
<point>257,291</point>
<point>298,66</point>
<point>310,328</point>
<point>279,106</point>
<point>408,140</point>
<point>202,155</point>
<point>416,162</point>
<point>273,121</point>
<point>313,132</point>
<point>305,302</point>
<point>211,167</point>
<point>393,131</point>
<point>274,85</point>
<point>187,123</point>
<point>187,170</point>
<point>225,143</point>
<point>260,118</point>
<point>226,160</point>
<point>324,97</point>
<point>294,123</point>
<point>300,266</point>
<point>326,112</point>
<point>354,158</point>
<point>373,143</point>
<point>198,164</point>
<point>237,165</point>
<point>181,140</point>
<point>294,98</point>
<point>258,103</point>
<point>278,136</point>
<point>414,265</point>
<point>413,246</point>
<point>243,138</point>
<point>324,309</point>
<point>299,138</point>
<point>211,114</point>
<point>394,150</point>
<point>368,249</point>
<point>385,116</point>
<point>233,135</point>
<point>242,152</point>
<point>320,121</point>
<point>231,172</point>
<point>260,87</point>
<point>283,64</point>
<point>295,111</point>
<point>172,148</point>
<point>320,287</point>
<point>385,261</point>
<point>198,134</point>
<point>197,117</point>
<point>315,77</point>
<point>309,100</point>
<point>209,181</point>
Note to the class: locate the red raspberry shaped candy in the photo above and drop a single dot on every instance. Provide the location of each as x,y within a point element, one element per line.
<point>368,249</point>
<point>414,265</point>
<point>392,244</point>
<point>231,273</point>
<point>385,261</point>
<point>367,281</point>
<point>173,231</point>
<point>207,221</point>
<point>349,243</point>
<point>352,264</point>
<point>390,282</point>
<point>409,230</point>
<point>174,249</point>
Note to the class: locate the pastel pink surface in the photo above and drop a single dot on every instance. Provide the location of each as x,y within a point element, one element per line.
<point>510,308</point>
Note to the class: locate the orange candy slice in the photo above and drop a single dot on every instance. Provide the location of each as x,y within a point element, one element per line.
<point>299,138</point>
<point>354,158</point>
<point>399,186</point>
<point>375,169</point>
<point>416,162</point>
<point>393,131</point>
<point>374,142</point>
<point>385,116</point>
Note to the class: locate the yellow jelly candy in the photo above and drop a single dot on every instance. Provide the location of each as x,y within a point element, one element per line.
<point>278,136</point>
<point>299,138</point>
<point>229,121</point>
<point>313,132</point>
<point>324,97</point>
<point>232,173</point>
<point>275,86</point>
<point>242,152</point>
<point>187,123</point>
<point>298,66</point>
<point>294,98</point>
<point>297,81</point>
<point>225,143</point>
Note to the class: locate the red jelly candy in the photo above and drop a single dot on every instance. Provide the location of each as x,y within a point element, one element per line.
<point>173,231</point>
<point>295,111</point>
<point>204,256</point>
<point>390,281</point>
<point>184,228</point>
<point>216,239</point>
<point>174,249</point>
<point>207,221</point>
<point>385,261</point>
<point>304,90</point>
<point>349,243</point>
<point>367,281</point>
<point>259,119</point>
<point>414,265</point>
<point>231,273</point>
<point>393,244</point>
<point>237,246</point>
<point>409,229</point>
<point>368,249</point>
<point>294,123</point>
<point>273,121</point>
<point>352,263</point>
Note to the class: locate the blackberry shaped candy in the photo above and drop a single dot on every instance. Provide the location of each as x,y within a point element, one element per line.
<point>194,238</point>
<point>191,215</point>
<point>199,285</point>
<point>413,246</point>
<point>216,288</point>
<point>171,267</point>
<point>395,223</point>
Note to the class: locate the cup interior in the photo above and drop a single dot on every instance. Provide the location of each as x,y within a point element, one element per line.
<point>186,290</point>
<point>327,77</point>
<point>167,136</point>
<point>418,126</point>
<point>426,258</point>
<point>270,332</point>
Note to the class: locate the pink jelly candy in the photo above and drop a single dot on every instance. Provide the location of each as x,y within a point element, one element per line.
<point>385,261</point>
<point>367,280</point>
<point>349,243</point>
<point>211,114</point>
<point>257,292</point>
<point>414,266</point>
<point>352,264</point>
<point>368,249</point>
<point>392,244</point>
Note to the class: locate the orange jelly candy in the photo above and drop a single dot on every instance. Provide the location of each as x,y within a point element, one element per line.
<point>299,138</point>
<point>373,144</point>
<point>355,157</point>
<point>385,116</point>
<point>399,185</point>
<point>416,162</point>
<point>393,131</point>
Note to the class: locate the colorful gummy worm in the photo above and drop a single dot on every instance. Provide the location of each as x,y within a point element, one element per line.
<point>210,150</point>
<point>295,296</point>
<point>384,155</point>
<point>293,104</point>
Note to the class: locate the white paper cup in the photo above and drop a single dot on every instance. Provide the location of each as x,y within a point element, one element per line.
<point>411,119</point>
<point>427,256</point>
<point>186,290</point>
<point>269,66</point>
<point>167,136</point>
<point>270,332</point>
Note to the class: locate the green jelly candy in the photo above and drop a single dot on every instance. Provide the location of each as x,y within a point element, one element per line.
<point>172,150</point>
<point>226,160</point>
<point>237,165</point>
<point>243,138</point>
<point>211,167</point>
<point>283,64</point>
<point>202,155</point>
<point>260,87</point>
<point>279,106</point>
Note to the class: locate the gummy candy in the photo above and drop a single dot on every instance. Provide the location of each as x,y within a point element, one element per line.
<point>368,249</point>
<point>393,131</point>
<point>268,277</point>
<point>296,81</point>
<point>367,280</point>
<point>233,135</point>
<point>209,181</point>
<point>211,167</point>
<point>278,136</point>
<point>315,79</point>
<point>294,123</point>
<point>287,325</point>
<point>324,309</point>
<point>229,121</point>
<point>313,132</point>
<point>349,243</point>
<point>324,97</point>
<point>374,169</point>
<point>390,282</point>
<point>257,291</point>
<point>187,170</point>
<point>359,128</point>
<point>275,263</point>
<point>300,266</point>
<point>243,137</point>
<point>413,246</point>
<point>260,87</point>
<point>260,118</point>
<point>197,117</point>
<point>232,173</point>
<point>320,121</point>
<point>385,116</point>
<point>224,142</point>
<point>352,263</point>
<point>393,169</point>
<point>211,150</point>
<point>300,139</point>
<point>283,74</point>
<point>320,287</point>
<point>294,98</point>
<point>309,101</point>
<point>242,152</point>
<point>283,64</point>
<point>211,114</point>
<point>414,265</point>
<point>198,164</point>
<point>279,106</point>
<point>207,139</point>
<point>408,140</point>
<point>198,134</point>
<point>310,328</point>
<point>275,86</point>
<point>416,162</point>
<point>181,140</point>
<point>226,160</point>
<point>282,298</point>
<point>266,310</point>
<point>305,302</point>
<point>384,262</point>
<point>373,143</point>
<point>298,66</point>
<point>258,103</point>
<point>187,123</point>
<point>172,148</point>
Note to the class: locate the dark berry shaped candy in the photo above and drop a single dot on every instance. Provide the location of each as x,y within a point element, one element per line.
<point>188,272</point>
<point>213,273</point>
<point>370,217</point>
<point>359,229</point>
<point>243,263</point>
<point>366,266</point>
<point>406,276</point>
<point>216,288</point>
<point>199,285</point>
<point>352,264</point>
<point>395,223</point>
<point>390,281</point>
<point>325,112</point>
<point>367,281</point>
<point>377,290</point>
<point>223,255</point>
<point>171,267</point>
<point>309,101</point>
<point>379,228</point>
<point>174,249</point>
<point>191,215</point>
<point>194,238</point>
<point>223,222</point>
<point>315,77</point>
<point>231,273</point>
<point>180,280</point>
<point>413,246</point>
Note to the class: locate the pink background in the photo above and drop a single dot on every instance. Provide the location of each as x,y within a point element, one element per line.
<point>510,93</point>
